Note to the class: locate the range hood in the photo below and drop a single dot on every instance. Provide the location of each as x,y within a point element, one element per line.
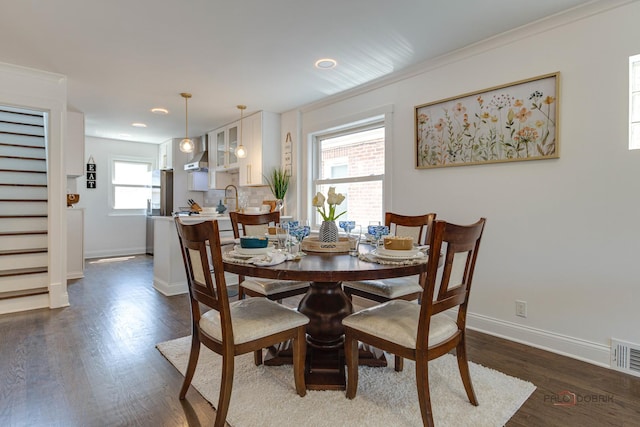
<point>200,159</point>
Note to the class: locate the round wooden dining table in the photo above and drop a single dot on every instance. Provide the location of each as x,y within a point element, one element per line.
<point>326,304</point>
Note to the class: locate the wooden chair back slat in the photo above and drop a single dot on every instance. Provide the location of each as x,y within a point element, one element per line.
<point>450,287</point>
<point>247,221</point>
<point>416,226</point>
<point>202,256</point>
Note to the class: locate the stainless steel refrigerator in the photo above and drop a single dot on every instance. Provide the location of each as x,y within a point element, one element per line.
<point>161,201</point>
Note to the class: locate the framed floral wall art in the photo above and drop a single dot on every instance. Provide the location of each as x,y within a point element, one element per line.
<point>513,122</point>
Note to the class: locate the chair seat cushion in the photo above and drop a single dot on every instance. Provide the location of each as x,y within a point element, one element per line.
<point>253,318</point>
<point>388,288</point>
<point>270,287</point>
<point>397,321</point>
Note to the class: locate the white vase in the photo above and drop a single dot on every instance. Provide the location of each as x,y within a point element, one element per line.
<point>328,232</point>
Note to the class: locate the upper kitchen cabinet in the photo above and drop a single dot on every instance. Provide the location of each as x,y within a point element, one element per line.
<point>222,147</point>
<point>261,138</point>
<point>74,145</point>
<point>165,155</point>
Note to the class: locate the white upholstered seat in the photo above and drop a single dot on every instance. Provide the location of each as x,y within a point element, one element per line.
<point>389,288</point>
<point>269,287</point>
<point>397,321</point>
<point>253,318</point>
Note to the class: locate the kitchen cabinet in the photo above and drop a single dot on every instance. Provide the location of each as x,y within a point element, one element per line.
<point>222,147</point>
<point>74,144</point>
<point>75,243</point>
<point>261,137</point>
<point>165,155</point>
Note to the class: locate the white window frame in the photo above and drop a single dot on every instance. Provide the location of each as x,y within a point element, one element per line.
<point>112,187</point>
<point>634,138</point>
<point>371,122</point>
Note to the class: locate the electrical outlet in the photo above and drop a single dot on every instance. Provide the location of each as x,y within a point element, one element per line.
<point>521,308</point>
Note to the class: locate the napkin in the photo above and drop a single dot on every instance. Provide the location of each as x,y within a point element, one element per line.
<point>271,258</point>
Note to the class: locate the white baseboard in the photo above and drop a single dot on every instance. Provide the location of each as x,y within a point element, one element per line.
<point>167,289</point>
<point>586,351</point>
<point>115,253</point>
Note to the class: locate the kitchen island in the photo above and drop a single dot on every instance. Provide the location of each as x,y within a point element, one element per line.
<point>169,277</point>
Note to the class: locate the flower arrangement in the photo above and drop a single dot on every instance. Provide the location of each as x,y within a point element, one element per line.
<point>333,199</point>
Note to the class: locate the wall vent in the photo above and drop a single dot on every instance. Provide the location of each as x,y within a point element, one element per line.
<point>625,357</point>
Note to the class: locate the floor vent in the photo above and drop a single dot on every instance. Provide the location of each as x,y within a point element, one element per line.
<point>625,357</point>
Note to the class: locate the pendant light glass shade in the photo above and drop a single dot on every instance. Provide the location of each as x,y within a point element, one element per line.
<point>241,152</point>
<point>186,145</point>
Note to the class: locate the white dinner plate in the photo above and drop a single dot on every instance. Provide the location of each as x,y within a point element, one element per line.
<point>381,255</point>
<point>252,251</point>
<point>398,253</point>
<point>233,254</point>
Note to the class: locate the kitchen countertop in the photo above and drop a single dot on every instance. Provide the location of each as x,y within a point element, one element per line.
<point>195,218</point>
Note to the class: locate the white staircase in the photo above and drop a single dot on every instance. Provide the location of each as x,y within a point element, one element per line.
<point>23,209</point>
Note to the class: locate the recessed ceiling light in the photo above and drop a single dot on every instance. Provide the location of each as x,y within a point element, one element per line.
<point>326,63</point>
<point>138,125</point>
<point>158,110</point>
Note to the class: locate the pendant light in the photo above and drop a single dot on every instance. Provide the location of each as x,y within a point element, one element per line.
<point>241,152</point>
<point>186,145</point>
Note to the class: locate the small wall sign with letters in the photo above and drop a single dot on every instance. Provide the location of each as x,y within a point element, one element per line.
<point>91,173</point>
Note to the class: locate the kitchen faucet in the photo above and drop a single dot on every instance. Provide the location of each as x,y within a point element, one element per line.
<point>226,199</point>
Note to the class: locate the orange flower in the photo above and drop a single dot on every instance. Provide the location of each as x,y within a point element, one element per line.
<point>423,118</point>
<point>523,115</point>
<point>459,109</point>
<point>518,103</point>
<point>549,100</point>
<point>526,134</point>
<point>440,125</point>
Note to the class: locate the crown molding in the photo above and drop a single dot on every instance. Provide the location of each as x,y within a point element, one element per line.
<point>551,22</point>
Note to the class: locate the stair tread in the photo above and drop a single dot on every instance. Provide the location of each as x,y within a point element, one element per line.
<point>23,293</point>
<point>24,251</point>
<point>23,233</point>
<point>22,271</point>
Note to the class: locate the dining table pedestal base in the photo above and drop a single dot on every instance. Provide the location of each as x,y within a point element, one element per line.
<point>326,305</point>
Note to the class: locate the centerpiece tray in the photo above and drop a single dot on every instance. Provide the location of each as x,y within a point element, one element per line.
<point>312,244</point>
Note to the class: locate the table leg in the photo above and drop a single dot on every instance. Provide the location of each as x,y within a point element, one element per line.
<point>326,305</point>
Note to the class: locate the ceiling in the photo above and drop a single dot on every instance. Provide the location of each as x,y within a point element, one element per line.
<point>124,57</point>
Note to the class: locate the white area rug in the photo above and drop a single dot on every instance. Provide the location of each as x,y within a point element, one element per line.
<point>265,395</point>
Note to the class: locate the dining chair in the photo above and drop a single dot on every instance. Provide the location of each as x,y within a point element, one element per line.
<point>257,225</point>
<point>231,328</point>
<point>408,288</point>
<point>423,332</point>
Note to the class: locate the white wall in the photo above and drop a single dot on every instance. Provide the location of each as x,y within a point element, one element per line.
<point>562,235</point>
<point>104,234</point>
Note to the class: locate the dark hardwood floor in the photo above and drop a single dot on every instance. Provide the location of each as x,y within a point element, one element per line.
<point>95,363</point>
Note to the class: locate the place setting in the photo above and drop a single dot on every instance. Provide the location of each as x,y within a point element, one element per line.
<point>261,250</point>
<point>394,249</point>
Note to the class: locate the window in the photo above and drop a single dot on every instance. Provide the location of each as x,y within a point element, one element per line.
<point>352,160</point>
<point>634,102</point>
<point>130,182</point>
